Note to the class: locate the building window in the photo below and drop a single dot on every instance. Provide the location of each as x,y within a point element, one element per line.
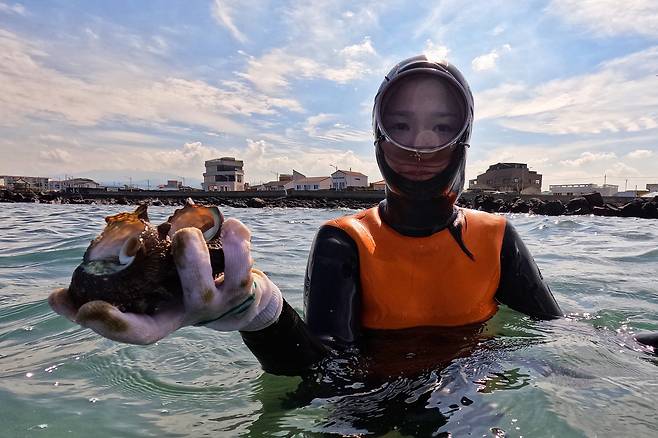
<point>224,168</point>
<point>357,179</point>
<point>316,187</point>
<point>239,178</point>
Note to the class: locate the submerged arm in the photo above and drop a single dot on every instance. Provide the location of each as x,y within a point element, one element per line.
<point>290,346</point>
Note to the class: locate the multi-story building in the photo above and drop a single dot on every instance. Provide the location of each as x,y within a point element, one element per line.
<point>342,179</point>
<point>72,183</point>
<point>581,189</point>
<point>224,174</point>
<point>13,182</point>
<point>508,177</point>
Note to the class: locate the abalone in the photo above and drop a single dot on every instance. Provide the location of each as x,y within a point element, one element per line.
<point>130,264</point>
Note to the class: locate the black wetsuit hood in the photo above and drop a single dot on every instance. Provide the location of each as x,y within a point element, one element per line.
<point>419,208</point>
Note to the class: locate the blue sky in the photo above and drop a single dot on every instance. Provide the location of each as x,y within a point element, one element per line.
<point>150,89</point>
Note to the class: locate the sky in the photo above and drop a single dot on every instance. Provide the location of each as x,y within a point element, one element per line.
<point>148,90</point>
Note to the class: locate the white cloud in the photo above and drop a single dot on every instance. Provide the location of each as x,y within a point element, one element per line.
<point>56,155</point>
<point>498,30</point>
<point>324,127</point>
<point>273,71</point>
<point>16,8</point>
<point>588,157</point>
<point>609,17</point>
<point>620,96</point>
<point>435,52</point>
<point>221,11</point>
<point>640,153</point>
<point>622,170</point>
<point>30,89</point>
<point>488,60</point>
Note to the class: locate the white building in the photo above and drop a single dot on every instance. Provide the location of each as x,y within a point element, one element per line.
<point>310,183</point>
<point>72,183</point>
<point>224,174</point>
<point>581,189</point>
<point>342,179</point>
<point>379,185</point>
<point>12,182</point>
<point>280,184</point>
<point>172,185</point>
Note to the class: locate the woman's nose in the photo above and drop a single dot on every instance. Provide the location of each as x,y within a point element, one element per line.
<point>426,138</point>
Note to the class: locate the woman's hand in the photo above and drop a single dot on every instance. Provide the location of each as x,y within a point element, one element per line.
<point>242,298</point>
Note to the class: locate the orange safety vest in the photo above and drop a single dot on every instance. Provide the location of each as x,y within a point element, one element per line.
<point>426,281</point>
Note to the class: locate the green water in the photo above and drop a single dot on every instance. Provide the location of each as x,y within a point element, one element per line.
<point>579,376</point>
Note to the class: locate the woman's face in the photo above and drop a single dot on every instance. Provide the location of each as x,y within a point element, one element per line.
<point>421,112</point>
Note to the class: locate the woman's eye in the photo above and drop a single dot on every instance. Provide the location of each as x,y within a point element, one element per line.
<point>400,126</point>
<point>443,128</point>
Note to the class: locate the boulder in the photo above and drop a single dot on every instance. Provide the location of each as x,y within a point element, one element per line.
<point>632,209</point>
<point>554,208</point>
<point>578,205</point>
<point>650,210</point>
<point>594,199</point>
<point>520,206</point>
<point>256,203</point>
<point>606,210</point>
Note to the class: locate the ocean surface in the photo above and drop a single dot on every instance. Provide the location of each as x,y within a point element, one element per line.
<point>581,376</point>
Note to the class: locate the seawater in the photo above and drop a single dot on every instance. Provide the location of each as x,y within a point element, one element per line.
<point>580,376</point>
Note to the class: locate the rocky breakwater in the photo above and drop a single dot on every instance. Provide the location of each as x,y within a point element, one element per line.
<point>592,203</point>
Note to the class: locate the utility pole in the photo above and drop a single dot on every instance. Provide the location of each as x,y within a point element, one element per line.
<point>334,166</point>
<point>148,184</point>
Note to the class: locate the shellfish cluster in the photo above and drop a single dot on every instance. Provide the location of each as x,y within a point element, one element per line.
<point>130,264</point>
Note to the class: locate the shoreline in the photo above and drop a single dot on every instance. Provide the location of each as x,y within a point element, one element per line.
<point>548,205</point>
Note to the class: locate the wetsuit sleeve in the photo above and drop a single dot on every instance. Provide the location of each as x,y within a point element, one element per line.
<point>290,346</point>
<point>522,286</point>
<point>286,347</point>
<point>332,287</point>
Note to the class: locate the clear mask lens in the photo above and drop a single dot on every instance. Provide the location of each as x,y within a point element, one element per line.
<point>423,113</point>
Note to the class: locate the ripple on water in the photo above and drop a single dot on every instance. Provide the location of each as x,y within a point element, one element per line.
<point>581,377</point>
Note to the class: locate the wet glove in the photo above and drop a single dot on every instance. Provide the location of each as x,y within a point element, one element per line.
<point>242,298</point>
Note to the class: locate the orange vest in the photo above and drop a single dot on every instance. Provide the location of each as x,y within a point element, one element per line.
<point>426,281</point>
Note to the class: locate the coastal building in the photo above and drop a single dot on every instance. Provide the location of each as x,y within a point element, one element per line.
<point>342,179</point>
<point>310,183</point>
<point>279,184</point>
<point>14,182</point>
<point>508,177</point>
<point>223,174</point>
<point>71,184</point>
<point>632,193</point>
<point>378,185</point>
<point>581,189</point>
<point>172,185</point>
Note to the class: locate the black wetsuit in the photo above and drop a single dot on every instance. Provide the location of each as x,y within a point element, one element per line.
<point>332,289</point>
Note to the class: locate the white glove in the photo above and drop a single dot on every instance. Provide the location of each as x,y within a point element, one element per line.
<point>242,298</point>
